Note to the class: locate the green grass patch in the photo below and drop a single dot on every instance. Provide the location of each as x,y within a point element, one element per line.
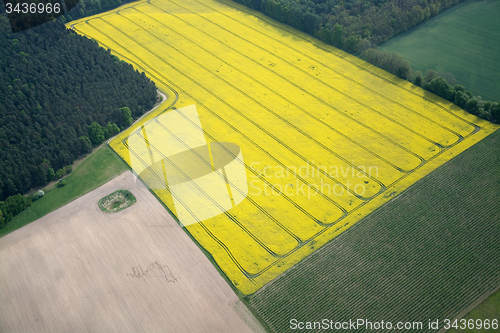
<point>428,254</point>
<point>463,40</point>
<point>117,201</point>
<point>97,169</point>
<point>489,309</point>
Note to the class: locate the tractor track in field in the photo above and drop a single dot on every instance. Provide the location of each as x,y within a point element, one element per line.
<point>299,35</point>
<point>292,103</point>
<point>279,141</point>
<point>345,114</point>
<point>459,136</point>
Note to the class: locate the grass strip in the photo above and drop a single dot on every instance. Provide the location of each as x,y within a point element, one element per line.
<point>102,166</point>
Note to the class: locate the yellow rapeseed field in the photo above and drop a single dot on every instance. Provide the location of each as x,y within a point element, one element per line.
<point>325,138</point>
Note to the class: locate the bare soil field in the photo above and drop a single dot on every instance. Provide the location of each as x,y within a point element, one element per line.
<point>79,269</point>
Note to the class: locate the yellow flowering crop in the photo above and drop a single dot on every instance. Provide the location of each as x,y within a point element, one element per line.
<point>325,137</point>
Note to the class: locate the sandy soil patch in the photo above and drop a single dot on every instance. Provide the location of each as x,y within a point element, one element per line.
<point>79,269</point>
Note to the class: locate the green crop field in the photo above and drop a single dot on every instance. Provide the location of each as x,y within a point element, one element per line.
<point>463,40</point>
<point>428,254</point>
<point>97,169</point>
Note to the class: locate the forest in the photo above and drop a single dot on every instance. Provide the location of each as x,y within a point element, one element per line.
<point>60,94</point>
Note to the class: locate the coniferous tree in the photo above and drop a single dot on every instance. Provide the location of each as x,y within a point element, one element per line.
<point>53,85</point>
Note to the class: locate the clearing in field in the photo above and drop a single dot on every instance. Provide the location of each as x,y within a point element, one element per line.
<point>463,40</point>
<point>79,269</point>
<point>322,137</point>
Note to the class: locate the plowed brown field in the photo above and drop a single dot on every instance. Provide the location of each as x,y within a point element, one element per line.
<point>79,269</point>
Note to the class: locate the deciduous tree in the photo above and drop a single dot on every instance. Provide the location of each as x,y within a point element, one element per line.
<point>96,134</point>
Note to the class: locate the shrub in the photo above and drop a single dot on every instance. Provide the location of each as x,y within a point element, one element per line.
<point>85,144</point>
<point>60,173</point>
<point>50,174</point>
<point>96,134</point>
<point>37,195</point>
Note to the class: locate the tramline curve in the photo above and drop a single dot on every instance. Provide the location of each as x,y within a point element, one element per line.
<point>297,239</point>
<point>267,153</point>
<point>216,239</point>
<point>422,160</point>
<point>268,21</point>
<point>245,117</point>
<point>382,186</point>
<point>460,137</point>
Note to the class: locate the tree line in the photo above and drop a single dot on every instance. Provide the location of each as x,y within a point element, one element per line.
<point>351,25</point>
<point>439,83</point>
<point>60,94</point>
<point>12,206</point>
